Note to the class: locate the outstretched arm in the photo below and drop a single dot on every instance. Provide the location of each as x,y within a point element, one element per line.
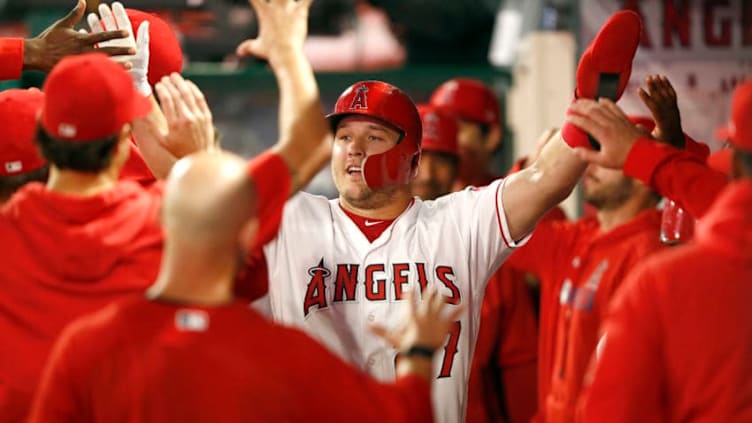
<point>532,192</point>
<point>665,169</point>
<point>304,136</point>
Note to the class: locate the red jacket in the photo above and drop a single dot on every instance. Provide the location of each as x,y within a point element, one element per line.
<point>503,373</point>
<point>11,58</point>
<point>151,361</point>
<point>678,344</point>
<point>580,268</point>
<point>65,256</point>
<point>680,175</point>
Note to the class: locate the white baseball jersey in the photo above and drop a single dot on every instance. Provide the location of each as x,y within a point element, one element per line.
<point>326,278</point>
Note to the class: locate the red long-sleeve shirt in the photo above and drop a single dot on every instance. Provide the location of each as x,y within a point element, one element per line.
<point>152,361</point>
<point>580,267</point>
<point>679,337</point>
<point>11,58</point>
<point>681,175</point>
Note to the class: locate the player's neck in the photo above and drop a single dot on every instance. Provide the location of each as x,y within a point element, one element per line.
<point>388,211</point>
<point>81,183</point>
<point>614,217</point>
<point>184,278</point>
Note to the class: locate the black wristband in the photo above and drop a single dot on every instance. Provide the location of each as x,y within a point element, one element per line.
<point>419,351</point>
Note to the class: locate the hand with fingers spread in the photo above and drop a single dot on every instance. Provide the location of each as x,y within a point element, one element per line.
<point>660,97</point>
<point>60,40</point>
<point>283,25</point>
<point>116,18</point>
<point>424,329</point>
<point>190,125</point>
<point>608,124</point>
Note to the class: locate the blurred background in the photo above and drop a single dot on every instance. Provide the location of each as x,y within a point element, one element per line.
<point>526,50</point>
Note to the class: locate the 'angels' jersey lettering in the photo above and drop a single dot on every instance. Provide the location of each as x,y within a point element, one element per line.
<point>326,278</point>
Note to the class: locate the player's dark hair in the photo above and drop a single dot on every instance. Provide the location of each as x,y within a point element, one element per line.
<point>449,157</point>
<point>10,184</point>
<point>90,156</point>
<point>745,160</point>
<point>485,129</point>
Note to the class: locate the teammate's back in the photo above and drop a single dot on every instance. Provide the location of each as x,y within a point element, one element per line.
<point>157,361</point>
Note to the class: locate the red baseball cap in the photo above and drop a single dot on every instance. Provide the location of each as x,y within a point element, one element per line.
<point>468,99</point>
<point>165,54</point>
<point>18,124</point>
<point>739,129</point>
<point>439,130</point>
<point>90,97</point>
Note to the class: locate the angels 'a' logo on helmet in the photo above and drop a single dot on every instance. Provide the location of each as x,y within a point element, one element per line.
<point>360,101</point>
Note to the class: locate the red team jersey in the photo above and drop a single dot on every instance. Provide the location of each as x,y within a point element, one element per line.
<point>66,256</point>
<point>154,361</point>
<point>503,373</point>
<point>580,268</point>
<point>679,339</point>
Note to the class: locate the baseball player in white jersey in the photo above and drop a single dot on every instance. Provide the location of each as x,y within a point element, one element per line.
<point>339,266</point>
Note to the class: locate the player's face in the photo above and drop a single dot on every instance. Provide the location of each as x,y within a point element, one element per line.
<point>356,138</point>
<point>606,188</point>
<point>436,175</point>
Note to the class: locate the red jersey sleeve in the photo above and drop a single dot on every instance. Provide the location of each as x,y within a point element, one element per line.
<point>671,172</point>
<point>626,385</point>
<point>699,149</point>
<point>272,181</point>
<point>11,58</point>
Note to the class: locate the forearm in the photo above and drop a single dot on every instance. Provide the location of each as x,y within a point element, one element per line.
<point>146,132</point>
<point>304,135</point>
<point>532,192</point>
<point>670,171</point>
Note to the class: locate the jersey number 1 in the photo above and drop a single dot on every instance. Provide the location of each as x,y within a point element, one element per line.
<point>450,350</point>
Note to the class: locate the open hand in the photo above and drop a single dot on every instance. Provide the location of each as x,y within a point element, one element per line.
<point>660,97</point>
<point>190,126</point>
<point>608,124</point>
<point>426,324</point>
<point>283,25</point>
<point>60,40</point>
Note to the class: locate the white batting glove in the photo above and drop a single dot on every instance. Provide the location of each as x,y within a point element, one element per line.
<point>117,18</point>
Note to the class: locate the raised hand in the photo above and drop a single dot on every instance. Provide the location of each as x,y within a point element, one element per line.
<point>60,40</point>
<point>426,324</point>
<point>116,18</point>
<point>283,26</point>
<point>608,124</point>
<point>190,126</point>
<point>660,97</point>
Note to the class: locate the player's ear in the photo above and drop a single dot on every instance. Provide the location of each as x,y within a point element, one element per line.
<point>247,235</point>
<point>493,139</point>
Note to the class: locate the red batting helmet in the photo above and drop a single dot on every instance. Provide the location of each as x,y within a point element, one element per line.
<point>380,100</point>
<point>468,99</point>
<point>165,55</point>
<point>439,130</point>
<point>18,126</point>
